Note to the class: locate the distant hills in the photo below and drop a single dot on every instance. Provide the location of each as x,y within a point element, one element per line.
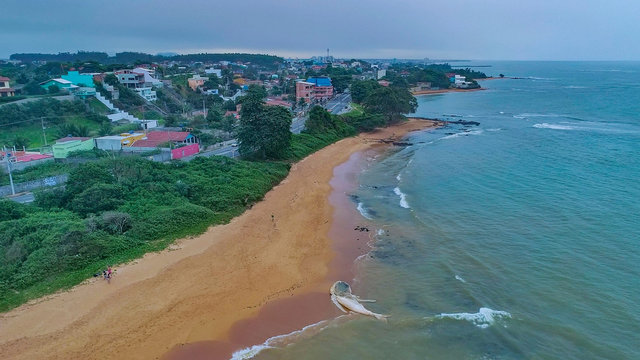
<point>129,57</point>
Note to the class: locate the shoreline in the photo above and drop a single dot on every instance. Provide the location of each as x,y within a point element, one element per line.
<point>443,91</point>
<point>202,288</point>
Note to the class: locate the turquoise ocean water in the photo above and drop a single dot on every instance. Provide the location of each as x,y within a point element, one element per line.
<point>518,238</point>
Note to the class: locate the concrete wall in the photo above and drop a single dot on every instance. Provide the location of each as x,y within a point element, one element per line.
<point>17,166</point>
<point>35,184</point>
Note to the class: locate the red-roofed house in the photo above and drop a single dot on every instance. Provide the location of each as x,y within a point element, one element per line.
<point>155,138</point>
<point>5,89</point>
<point>276,102</point>
<point>185,144</point>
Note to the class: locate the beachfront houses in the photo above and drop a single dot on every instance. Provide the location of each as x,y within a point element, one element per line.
<point>5,89</point>
<point>314,89</point>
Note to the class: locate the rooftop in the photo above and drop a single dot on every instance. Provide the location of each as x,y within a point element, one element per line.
<point>72,138</point>
<point>320,81</point>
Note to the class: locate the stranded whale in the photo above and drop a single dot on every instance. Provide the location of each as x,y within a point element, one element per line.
<point>343,298</point>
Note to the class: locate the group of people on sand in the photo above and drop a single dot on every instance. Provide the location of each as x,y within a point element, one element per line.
<point>107,273</point>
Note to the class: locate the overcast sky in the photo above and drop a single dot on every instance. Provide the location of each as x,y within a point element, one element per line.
<point>438,29</point>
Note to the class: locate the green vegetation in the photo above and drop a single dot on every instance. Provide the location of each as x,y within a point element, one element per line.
<point>22,124</point>
<point>36,172</point>
<point>264,131</point>
<point>114,210</point>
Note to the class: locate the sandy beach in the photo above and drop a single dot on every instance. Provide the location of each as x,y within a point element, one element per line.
<point>276,259</point>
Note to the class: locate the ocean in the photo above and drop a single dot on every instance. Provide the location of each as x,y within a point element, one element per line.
<point>518,238</point>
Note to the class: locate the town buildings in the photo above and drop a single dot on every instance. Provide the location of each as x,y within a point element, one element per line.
<point>314,89</point>
<point>5,89</point>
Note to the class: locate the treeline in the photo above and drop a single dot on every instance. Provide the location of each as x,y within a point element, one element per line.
<point>410,74</point>
<point>128,57</point>
<point>114,210</point>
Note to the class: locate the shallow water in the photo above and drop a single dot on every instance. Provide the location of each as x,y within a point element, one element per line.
<point>517,238</point>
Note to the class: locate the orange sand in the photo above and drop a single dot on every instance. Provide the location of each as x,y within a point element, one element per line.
<point>200,287</point>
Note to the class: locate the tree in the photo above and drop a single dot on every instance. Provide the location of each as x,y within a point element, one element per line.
<point>33,88</point>
<point>20,142</point>
<point>96,199</point>
<point>264,130</point>
<point>54,89</point>
<point>105,128</point>
<point>320,121</point>
<point>360,90</point>
<point>214,115</point>
<point>391,102</point>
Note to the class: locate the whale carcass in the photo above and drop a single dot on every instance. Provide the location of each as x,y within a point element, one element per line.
<point>343,298</point>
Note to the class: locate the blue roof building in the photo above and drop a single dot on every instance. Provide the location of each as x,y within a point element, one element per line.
<point>320,81</point>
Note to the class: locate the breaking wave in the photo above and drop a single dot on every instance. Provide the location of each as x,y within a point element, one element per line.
<point>403,198</point>
<point>459,278</point>
<point>464,133</point>
<point>553,126</point>
<point>363,211</point>
<point>484,318</point>
<point>280,340</point>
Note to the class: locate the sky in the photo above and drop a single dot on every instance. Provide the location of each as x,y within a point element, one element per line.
<point>416,29</point>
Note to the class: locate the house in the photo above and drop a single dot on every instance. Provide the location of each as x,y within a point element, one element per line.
<point>84,92</point>
<point>80,80</point>
<point>421,86</point>
<point>64,146</point>
<point>314,89</point>
<point>182,143</point>
<point>278,102</point>
<point>384,83</point>
<point>212,71</point>
<point>117,142</point>
<point>140,81</point>
<point>196,81</point>
<point>381,73</point>
<point>5,89</point>
<point>59,82</point>
<point>22,159</point>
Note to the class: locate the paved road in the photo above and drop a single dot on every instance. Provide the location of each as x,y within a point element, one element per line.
<point>338,104</point>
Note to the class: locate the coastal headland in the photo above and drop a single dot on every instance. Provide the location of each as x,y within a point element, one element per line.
<point>277,256</point>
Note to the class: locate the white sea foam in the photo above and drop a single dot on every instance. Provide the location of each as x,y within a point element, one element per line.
<point>399,177</point>
<point>494,130</point>
<point>484,318</point>
<point>380,232</point>
<point>574,87</point>
<point>403,198</point>
<point>279,341</point>
<point>459,278</point>
<point>553,126</point>
<point>363,211</point>
<point>464,133</point>
<point>531,115</point>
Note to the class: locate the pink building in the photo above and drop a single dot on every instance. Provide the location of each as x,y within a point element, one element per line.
<point>314,89</point>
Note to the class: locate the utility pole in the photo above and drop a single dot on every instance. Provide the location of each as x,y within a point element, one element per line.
<point>13,189</point>
<point>44,134</point>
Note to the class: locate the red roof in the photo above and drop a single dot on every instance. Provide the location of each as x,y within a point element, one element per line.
<point>72,138</point>
<point>31,156</point>
<point>167,135</point>
<point>7,90</point>
<point>147,143</point>
<point>2,78</point>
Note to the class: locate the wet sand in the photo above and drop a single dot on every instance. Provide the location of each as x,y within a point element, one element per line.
<point>263,273</point>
